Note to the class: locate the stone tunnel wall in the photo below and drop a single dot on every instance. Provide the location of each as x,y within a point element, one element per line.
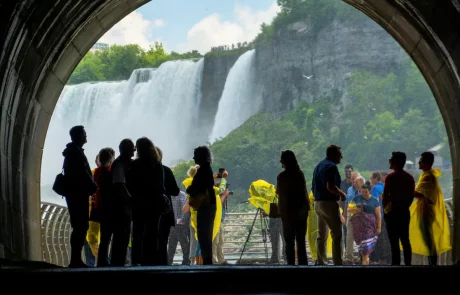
<point>42,42</point>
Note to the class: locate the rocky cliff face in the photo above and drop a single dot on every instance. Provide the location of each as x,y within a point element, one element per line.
<point>215,73</point>
<point>329,57</point>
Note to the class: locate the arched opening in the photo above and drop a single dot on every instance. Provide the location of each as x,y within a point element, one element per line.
<point>31,101</point>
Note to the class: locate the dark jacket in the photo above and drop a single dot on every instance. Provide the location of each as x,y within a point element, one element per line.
<point>121,163</point>
<point>292,191</point>
<point>79,179</point>
<point>203,182</point>
<point>145,183</point>
<point>105,191</point>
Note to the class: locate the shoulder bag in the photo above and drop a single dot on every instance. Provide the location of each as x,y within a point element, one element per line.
<point>60,183</point>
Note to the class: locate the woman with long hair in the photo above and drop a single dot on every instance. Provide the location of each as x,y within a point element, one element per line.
<point>293,207</point>
<point>149,181</point>
<point>202,199</point>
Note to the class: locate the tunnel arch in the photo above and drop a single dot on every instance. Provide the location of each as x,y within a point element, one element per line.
<point>43,43</point>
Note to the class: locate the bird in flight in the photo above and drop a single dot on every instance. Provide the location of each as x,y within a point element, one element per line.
<point>308,77</point>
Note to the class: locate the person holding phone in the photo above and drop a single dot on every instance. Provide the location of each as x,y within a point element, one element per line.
<point>220,181</point>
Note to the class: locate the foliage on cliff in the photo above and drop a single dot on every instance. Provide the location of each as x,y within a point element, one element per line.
<point>118,62</point>
<point>386,113</point>
<point>305,17</point>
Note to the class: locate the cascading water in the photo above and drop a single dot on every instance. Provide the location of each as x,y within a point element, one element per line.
<point>161,104</point>
<point>240,99</point>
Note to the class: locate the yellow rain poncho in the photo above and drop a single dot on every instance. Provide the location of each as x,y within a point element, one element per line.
<point>312,231</point>
<point>217,220</point>
<point>427,211</point>
<point>262,194</point>
<point>93,235</point>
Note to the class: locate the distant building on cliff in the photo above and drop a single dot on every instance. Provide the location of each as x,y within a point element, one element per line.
<point>439,162</point>
<point>99,47</point>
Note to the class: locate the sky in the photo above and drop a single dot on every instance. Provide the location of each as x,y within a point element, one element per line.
<point>184,25</point>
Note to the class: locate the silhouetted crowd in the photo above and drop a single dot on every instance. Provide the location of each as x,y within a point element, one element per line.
<point>131,211</point>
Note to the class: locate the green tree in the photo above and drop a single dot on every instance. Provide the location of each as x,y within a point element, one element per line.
<point>120,61</point>
<point>89,69</point>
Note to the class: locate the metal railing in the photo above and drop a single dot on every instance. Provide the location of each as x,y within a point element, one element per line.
<point>55,225</point>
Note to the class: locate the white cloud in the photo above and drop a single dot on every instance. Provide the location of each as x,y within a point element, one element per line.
<point>212,31</point>
<point>133,29</point>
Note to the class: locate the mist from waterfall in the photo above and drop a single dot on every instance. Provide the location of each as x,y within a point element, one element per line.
<point>240,98</point>
<point>161,104</point>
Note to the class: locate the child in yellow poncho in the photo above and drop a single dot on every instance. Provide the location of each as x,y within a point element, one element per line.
<point>429,231</point>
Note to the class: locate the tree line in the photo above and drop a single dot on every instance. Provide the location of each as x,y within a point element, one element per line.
<point>118,62</point>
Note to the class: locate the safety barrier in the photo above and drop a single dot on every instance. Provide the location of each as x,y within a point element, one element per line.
<point>55,224</point>
<point>248,231</point>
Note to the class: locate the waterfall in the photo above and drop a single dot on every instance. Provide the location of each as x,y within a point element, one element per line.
<point>161,104</point>
<point>239,100</point>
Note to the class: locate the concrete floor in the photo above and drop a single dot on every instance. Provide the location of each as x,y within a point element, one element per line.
<point>227,279</point>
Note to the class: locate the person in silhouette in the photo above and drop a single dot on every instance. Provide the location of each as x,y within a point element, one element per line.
<point>293,207</point>
<point>103,177</point>
<point>167,221</point>
<point>149,181</point>
<point>121,202</point>
<point>91,246</point>
<point>325,186</point>
<point>202,198</point>
<point>398,195</point>
<point>79,186</point>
